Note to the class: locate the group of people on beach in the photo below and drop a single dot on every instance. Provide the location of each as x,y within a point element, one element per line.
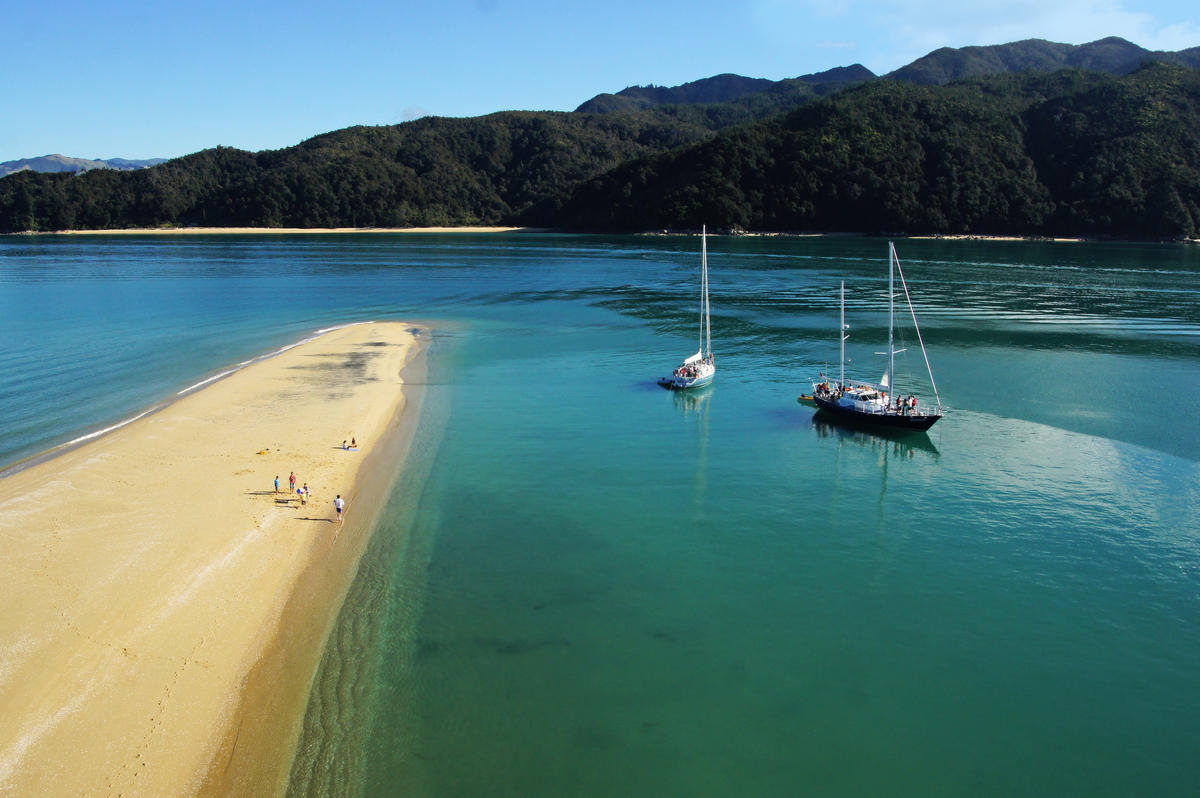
<point>304,494</point>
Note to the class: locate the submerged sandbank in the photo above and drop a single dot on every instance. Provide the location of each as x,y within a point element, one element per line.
<point>149,573</point>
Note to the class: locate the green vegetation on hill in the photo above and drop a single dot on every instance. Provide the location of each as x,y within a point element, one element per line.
<point>727,89</point>
<point>432,171</point>
<point>1113,55</point>
<point>717,89</point>
<point>1071,152</point>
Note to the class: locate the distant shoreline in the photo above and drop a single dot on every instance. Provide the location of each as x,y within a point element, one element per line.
<point>169,231</point>
<point>919,237</point>
<point>139,231</point>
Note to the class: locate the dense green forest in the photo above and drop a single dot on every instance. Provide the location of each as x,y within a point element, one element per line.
<point>1072,152</point>
<point>1069,152</point>
<point>722,89</point>
<point>1113,55</point>
<point>432,171</point>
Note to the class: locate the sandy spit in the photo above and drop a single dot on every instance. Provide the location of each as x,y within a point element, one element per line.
<point>150,573</point>
<point>281,230</point>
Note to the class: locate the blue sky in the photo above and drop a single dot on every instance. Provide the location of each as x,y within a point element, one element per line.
<point>140,79</point>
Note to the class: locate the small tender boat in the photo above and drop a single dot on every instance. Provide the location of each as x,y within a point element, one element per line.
<point>877,404</point>
<point>699,369</point>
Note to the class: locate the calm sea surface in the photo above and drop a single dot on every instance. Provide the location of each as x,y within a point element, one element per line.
<point>586,585</point>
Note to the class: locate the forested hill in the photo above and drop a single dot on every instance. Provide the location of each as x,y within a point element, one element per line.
<point>726,89</point>
<point>1073,153</point>
<point>1113,55</point>
<point>432,171</point>
<point>1070,152</point>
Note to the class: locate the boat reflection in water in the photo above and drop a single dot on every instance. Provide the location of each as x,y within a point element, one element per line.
<point>903,443</point>
<point>693,401</point>
<point>694,407</point>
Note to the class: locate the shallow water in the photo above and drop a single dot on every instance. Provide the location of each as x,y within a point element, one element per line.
<point>586,585</point>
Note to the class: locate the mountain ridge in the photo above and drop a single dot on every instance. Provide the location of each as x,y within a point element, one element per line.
<point>64,163</point>
<point>724,88</point>
<point>1112,55</point>
<point>1027,152</point>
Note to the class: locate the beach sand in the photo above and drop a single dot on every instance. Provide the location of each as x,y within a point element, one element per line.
<point>283,230</point>
<point>164,608</point>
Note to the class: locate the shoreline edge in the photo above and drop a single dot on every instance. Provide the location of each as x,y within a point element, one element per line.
<point>151,571</point>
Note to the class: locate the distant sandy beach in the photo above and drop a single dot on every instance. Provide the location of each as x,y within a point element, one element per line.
<point>974,237</point>
<point>281,230</point>
<point>164,607</point>
<point>167,231</point>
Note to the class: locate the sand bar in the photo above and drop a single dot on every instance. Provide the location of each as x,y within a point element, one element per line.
<point>146,573</point>
<point>141,231</point>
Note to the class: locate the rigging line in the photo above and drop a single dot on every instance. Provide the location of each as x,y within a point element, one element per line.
<point>917,327</point>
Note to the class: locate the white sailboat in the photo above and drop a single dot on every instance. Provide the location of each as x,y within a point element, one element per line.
<point>879,404</point>
<point>699,369</point>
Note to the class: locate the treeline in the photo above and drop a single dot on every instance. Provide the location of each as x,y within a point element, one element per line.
<point>1113,55</point>
<point>1072,152</point>
<point>433,171</point>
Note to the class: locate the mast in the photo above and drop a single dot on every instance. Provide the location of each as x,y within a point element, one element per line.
<point>843,336</point>
<point>891,317</point>
<point>707,323</point>
<point>703,256</point>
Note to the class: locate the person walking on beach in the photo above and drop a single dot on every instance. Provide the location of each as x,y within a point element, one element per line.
<point>303,497</point>
<point>307,493</point>
<point>292,482</point>
<point>276,483</point>
<point>339,505</point>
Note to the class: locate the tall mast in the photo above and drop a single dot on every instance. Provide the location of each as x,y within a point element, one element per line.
<point>706,321</point>
<point>843,336</point>
<point>703,252</point>
<point>891,316</point>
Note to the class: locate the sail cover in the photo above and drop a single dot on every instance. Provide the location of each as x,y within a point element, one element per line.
<point>694,358</point>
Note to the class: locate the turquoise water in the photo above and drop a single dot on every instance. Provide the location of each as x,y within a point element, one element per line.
<point>586,585</point>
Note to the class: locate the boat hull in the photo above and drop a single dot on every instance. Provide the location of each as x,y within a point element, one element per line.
<point>897,421</point>
<point>683,383</point>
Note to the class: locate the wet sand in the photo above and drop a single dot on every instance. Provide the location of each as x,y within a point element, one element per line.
<point>165,607</point>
